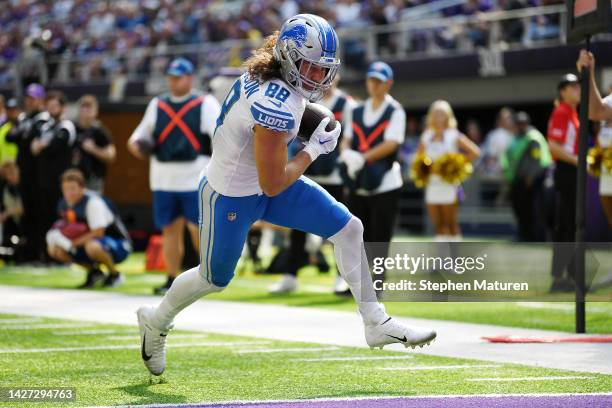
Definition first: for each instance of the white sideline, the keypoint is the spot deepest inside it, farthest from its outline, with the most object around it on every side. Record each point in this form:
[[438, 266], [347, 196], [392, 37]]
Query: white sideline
[[134, 336], [286, 350], [357, 358], [438, 367], [551, 378], [96, 331], [20, 320], [130, 346], [44, 326], [309, 325], [365, 398]]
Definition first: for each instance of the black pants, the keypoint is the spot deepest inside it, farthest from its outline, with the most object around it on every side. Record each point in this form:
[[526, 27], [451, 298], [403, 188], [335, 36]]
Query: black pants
[[565, 220], [528, 209], [35, 246], [377, 213], [297, 240], [48, 199]]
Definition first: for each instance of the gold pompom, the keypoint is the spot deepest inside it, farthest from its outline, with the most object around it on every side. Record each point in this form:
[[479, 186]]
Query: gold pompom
[[594, 160], [453, 168], [421, 169], [606, 159]]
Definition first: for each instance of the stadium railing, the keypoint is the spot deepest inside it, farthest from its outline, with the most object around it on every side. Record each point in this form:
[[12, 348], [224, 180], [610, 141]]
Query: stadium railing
[[416, 36]]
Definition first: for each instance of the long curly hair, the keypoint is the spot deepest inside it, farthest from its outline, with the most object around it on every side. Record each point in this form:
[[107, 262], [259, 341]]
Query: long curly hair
[[262, 66]]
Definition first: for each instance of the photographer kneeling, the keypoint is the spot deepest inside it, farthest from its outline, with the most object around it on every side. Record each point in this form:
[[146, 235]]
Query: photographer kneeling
[[89, 232]]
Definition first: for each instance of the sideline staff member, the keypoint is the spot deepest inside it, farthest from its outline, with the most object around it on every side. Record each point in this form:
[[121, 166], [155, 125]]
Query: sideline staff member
[[178, 126], [374, 132], [562, 135]]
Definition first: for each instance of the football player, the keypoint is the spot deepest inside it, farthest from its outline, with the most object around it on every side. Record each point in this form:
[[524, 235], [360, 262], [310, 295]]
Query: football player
[[250, 178]]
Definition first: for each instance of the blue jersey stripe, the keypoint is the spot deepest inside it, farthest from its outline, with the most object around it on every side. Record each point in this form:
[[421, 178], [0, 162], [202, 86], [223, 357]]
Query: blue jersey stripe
[[276, 112]]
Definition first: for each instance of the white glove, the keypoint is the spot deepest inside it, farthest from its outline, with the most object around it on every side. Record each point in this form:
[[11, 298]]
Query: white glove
[[55, 237], [354, 161], [321, 141]]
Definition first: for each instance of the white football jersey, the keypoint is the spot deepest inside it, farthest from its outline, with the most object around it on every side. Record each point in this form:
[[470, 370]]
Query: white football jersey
[[272, 104]]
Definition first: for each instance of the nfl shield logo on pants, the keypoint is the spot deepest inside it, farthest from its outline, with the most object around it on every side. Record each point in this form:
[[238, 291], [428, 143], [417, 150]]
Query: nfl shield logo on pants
[[231, 216]]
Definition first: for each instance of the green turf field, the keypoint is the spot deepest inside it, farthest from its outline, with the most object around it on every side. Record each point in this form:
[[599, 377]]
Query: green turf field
[[315, 292], [37, 352]]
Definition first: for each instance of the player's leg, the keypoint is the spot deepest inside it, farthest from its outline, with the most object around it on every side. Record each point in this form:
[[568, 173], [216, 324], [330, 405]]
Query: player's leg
[[189, 209], [337, 191], [306, 206], [224, 224]]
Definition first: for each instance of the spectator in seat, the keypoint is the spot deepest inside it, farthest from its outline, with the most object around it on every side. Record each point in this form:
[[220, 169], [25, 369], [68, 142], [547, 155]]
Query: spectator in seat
[[94, 148], [512, 29], [89, 232]]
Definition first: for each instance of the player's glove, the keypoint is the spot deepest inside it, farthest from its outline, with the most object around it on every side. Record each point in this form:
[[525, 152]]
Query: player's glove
[[322, 141], [354, 162]]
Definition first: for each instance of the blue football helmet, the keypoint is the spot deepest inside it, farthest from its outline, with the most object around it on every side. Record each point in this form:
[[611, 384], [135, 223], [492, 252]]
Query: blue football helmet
[[311, 40]]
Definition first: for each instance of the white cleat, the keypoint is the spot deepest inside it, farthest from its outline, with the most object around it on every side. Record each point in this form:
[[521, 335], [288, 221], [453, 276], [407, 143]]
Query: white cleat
[[391, 331], [287, 284], [152, 342]]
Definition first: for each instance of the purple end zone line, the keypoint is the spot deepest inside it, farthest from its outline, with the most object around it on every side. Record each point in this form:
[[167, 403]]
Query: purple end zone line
[[548, 401]]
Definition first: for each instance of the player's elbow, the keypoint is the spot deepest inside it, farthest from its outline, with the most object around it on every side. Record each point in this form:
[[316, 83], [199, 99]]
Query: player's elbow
[[272, 189]]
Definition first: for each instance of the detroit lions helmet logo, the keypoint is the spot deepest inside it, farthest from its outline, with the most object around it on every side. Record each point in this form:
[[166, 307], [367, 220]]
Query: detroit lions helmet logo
[[297, 34], [310, 38]]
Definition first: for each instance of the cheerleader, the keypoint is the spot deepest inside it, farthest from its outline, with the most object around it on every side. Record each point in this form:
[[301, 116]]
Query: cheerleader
[[441, 136], [604, 140], [600, 109]]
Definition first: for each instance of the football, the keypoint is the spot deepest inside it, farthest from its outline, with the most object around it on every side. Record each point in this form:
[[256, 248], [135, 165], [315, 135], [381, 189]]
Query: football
[[71, 230], [313, 115]]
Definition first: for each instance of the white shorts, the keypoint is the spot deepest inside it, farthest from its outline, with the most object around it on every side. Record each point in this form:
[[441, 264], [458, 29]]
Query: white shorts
[[605, 182], [440, 192]]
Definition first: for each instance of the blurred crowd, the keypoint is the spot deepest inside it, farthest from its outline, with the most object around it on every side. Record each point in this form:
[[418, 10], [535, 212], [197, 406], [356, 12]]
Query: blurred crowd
[[37, 34], [38, 143]]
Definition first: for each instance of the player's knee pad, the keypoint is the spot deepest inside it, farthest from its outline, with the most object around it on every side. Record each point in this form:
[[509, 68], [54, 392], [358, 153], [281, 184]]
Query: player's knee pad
[[350, 234]]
